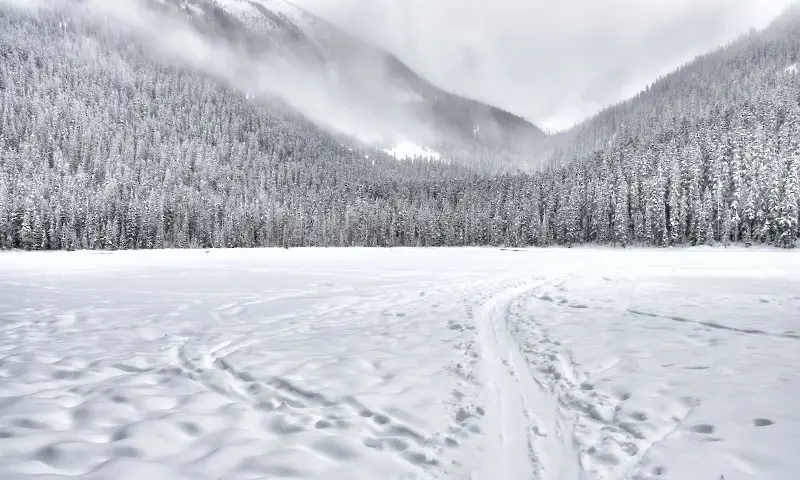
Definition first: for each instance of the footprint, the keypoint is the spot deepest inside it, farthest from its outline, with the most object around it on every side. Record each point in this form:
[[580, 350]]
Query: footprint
[[703, 428], [120, 434], [462, 415], [404, 431], [282, 426], [323, 424], [450, 442], [380, 419], [391, 444], [396, 444], [622, 395], [335, 449], [608, 458], [763, 422], [639, 416], [66, 375], [128, 452], [373, 443], [190, 428], [49, 455], [418, 458], [455, 326], [30, 424]]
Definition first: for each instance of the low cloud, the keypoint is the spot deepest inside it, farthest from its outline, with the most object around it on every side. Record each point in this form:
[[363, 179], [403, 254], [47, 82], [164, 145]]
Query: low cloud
[[554, 62], [266, 75]]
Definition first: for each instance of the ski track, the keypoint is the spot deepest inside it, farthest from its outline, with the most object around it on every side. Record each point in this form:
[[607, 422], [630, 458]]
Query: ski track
[[553, 425]]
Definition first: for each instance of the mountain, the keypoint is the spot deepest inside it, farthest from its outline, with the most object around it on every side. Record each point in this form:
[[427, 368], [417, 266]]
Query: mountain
[[710, 152], [748, 69], [130, 128], [381, 98]]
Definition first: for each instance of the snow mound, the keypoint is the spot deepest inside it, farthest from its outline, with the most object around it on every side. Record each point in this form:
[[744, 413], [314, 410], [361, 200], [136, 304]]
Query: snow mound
[[791, 69], [409, 150]]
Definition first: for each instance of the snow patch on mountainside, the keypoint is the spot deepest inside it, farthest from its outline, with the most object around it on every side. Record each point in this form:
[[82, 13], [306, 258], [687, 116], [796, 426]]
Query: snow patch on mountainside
[[252, 13], [286, 9], [409, 150]]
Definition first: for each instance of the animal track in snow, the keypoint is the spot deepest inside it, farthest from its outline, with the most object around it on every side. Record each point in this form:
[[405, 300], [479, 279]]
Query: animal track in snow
[[762, 422], [291, 410]]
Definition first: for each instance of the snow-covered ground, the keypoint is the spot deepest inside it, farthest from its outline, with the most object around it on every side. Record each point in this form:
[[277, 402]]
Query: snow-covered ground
[[378, 364]]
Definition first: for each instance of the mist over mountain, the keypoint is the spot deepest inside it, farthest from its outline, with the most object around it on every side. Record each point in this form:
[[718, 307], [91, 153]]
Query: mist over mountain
[[149, 124], [275, 52], [748, 70], [552, 62]]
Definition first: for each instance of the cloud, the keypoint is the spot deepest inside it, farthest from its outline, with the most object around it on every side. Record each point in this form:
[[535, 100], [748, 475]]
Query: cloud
[[262, 75], [553, 61]]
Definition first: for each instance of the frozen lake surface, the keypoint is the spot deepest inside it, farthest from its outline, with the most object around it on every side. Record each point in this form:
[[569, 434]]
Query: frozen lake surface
[[476, 364]]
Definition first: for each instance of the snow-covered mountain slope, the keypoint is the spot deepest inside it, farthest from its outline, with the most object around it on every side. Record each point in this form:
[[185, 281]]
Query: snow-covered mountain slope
[[396, 103], [730, 78]]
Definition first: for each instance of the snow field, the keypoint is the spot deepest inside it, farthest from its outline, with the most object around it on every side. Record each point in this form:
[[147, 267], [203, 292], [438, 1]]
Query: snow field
[[400, 363]]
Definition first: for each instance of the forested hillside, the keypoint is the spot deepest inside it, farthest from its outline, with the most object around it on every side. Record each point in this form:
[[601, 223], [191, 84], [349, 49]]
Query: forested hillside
[[746, 71], [103, 147]]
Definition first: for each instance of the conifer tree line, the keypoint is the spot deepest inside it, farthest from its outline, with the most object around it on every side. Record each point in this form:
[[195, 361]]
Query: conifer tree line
[[102, 147]]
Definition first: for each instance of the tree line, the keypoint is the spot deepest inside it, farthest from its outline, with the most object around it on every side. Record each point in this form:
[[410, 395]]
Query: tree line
[[102, 147]]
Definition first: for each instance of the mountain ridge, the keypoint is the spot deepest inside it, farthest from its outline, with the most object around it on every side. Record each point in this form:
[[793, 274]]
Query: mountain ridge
[[352, 68], [648, 110], [106, 145]]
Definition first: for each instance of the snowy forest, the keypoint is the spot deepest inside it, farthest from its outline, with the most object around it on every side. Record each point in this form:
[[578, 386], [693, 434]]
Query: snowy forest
[[102, 147]]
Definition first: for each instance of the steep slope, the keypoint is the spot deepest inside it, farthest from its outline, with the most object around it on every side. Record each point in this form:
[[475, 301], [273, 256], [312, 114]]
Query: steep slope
[[750, 69], [385, 100], [106, 145], [709, 153]]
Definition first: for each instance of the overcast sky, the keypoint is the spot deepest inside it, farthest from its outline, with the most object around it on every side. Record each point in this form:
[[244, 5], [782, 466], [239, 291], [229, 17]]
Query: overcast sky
[[554, 62]]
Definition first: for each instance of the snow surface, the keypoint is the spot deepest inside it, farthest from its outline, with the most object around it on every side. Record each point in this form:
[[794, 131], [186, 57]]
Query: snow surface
[[791, 68], [400, 363], [410, 150]]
